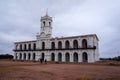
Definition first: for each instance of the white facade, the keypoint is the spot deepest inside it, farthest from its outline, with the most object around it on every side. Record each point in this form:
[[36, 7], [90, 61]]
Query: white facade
[[82, 48]]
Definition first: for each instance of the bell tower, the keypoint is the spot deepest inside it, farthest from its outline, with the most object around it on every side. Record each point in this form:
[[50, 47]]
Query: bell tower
[[46, 26]]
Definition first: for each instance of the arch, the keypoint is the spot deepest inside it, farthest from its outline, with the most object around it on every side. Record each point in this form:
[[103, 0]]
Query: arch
[[75, 57], [34, 46], [20, 56], [60, 57], [29, 56], [33, 56], [24, 56], [29, 46], [59, 45], [52, 57], [43, 45], [84, 43], [75, 44], [25, 47], [53, 45], [20, 46], [49, 23], [67, 57], [67, 44], [44, 23], [43, 56], [85, 57]]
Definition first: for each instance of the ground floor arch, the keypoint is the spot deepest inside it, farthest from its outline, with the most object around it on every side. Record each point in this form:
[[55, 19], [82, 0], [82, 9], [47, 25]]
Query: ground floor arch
[[20, 56], [52, 57], [85, 57], [43, 56], [60, 57], [75, 57], [67, 57], [34, 56], [24, 56], [29, 56]]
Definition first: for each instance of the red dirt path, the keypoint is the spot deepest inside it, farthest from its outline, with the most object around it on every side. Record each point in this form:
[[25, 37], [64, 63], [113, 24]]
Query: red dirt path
[[16, 70]]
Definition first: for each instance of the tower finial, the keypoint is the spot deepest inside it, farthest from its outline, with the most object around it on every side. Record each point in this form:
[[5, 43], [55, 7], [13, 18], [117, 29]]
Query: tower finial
[[46, 11]]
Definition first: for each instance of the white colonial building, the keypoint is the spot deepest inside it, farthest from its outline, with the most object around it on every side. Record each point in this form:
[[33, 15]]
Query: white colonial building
[[82, 48]]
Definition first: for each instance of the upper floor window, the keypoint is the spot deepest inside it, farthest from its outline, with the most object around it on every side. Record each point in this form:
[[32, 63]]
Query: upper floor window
[[43, 45], [34, 46], [24, 46], [59, 45], [53, 45], [75, 44], [29, 47], [67, 44], [20, 46], [84, 43]]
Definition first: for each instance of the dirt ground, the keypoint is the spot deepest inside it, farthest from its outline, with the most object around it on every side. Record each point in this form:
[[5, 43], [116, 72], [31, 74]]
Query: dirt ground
[[17, 70]]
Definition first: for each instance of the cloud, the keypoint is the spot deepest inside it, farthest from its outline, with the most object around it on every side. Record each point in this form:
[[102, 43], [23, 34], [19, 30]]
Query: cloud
[[20, 20]]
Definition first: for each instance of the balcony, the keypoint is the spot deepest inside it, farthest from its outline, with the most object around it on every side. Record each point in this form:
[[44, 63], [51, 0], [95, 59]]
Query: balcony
[[88, 48]]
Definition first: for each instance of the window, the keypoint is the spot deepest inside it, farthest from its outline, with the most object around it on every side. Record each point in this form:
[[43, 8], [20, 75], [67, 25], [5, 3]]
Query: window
[[75, 44], [44, 23], [20, 46], [49, 23], [59, 45], [43, 45], [24, 46], [75, 57], [29, 47], [67, 44], [34, 46], [84, 43], [53, 45]]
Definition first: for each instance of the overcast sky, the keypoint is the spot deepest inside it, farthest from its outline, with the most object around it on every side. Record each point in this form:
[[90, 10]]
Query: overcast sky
[[20, 21]]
